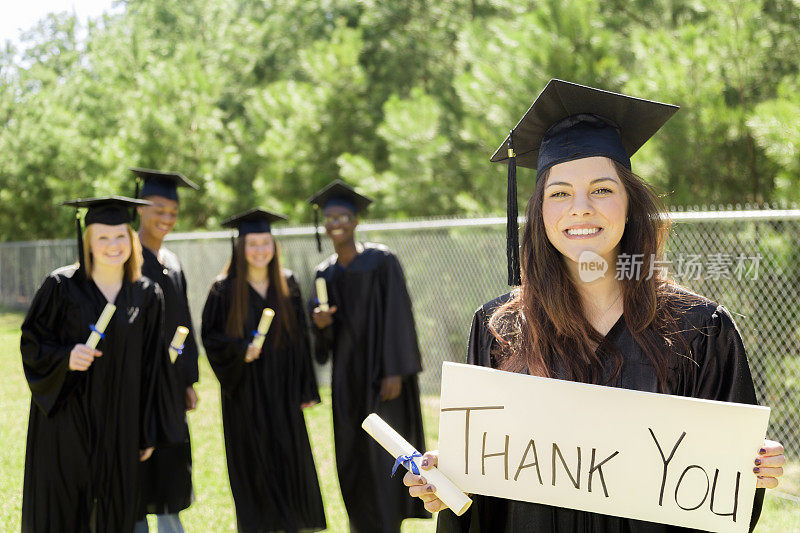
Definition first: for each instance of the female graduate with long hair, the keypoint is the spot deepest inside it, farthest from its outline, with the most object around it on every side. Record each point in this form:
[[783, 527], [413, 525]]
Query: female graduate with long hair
[[635, 330], [93, 410], [264, 390]]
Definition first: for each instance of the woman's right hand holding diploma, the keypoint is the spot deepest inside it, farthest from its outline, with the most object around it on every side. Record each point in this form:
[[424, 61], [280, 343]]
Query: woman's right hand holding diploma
[[418, 486], [253, 353], [81, 357], [323, 319]]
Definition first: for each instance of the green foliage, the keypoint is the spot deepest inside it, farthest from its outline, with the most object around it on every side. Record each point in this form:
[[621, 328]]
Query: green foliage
[[775, 125], [264, 102]]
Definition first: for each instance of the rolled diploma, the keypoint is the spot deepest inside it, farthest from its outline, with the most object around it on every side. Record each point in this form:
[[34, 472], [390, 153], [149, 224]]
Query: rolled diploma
[[396, 445], [177, 341], [102, 322], [322, 294], [263, 327]]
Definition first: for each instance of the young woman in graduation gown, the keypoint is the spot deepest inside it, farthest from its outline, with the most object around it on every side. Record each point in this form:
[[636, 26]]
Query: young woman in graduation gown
[[630, 330], [95, 413], [270, 465]]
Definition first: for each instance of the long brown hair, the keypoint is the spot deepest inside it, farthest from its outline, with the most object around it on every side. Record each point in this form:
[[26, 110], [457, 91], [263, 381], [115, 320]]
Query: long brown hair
[[543, 326], [237, 314], [133, 266]]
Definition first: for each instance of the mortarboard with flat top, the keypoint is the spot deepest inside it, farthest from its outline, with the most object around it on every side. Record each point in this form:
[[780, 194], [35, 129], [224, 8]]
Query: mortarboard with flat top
[[160, 183], [568, 122], [253, 221], [337, 193], [110, 210]]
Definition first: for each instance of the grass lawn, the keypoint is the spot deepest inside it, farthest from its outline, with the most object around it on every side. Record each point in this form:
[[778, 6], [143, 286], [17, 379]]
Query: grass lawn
[[213, 510]]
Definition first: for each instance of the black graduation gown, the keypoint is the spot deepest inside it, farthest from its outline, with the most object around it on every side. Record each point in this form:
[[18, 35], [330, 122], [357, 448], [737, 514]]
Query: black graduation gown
[[372, 337], [86, 428], [270, 465], [166, 477], [723, 374]]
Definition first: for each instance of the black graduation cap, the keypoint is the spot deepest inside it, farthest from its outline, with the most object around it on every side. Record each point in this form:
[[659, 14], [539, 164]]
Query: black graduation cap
[[253, 221], [337, 193], [567, 122], [111, 210], [160, 183]]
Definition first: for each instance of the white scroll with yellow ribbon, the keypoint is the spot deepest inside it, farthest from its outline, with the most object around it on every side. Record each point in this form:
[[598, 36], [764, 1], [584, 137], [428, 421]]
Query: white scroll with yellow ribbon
[[176, 346], [263, 327], [322, 295], [405, 454], [99, 329]]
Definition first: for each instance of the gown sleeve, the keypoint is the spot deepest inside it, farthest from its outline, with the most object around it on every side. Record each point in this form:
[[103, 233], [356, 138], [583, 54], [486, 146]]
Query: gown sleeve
[[308, 380], [161, 403], [188, 359], [45, 360], [480, 340], [401, 355], [723, 372], [225, 354], [325, 338], [477, 354], [172, 400]]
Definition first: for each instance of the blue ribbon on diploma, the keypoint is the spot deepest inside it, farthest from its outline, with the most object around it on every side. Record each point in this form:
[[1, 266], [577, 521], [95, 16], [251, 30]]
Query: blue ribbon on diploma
[[408, 462], [178, 349], [92, 327], [256, 333]]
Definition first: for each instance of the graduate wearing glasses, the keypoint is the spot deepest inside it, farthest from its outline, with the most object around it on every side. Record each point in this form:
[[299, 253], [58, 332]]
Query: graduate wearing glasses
[[369, 334]]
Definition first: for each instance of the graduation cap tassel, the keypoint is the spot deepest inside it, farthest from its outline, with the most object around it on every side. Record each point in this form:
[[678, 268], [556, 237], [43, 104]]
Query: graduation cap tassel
[[80, 240], [135, 195], [316, 229], [512, 227], [232, 268]]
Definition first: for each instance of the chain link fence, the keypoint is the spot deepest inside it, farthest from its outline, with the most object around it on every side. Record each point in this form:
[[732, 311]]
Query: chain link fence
[[747, 260]]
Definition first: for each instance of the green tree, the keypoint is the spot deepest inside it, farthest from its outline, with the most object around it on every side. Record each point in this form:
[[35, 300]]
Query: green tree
[[264, 102]]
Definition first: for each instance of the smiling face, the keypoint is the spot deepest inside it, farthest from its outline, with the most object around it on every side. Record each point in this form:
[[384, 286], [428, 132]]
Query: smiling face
[[584, 208], [340, 224], [158, 219], [259, 249], [110, 245]]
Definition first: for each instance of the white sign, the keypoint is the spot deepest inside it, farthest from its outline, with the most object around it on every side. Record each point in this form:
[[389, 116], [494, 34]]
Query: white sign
[[652, 457]]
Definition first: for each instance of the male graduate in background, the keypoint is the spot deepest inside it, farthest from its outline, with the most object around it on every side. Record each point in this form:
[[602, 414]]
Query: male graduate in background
[[369, 330], [166, 486]]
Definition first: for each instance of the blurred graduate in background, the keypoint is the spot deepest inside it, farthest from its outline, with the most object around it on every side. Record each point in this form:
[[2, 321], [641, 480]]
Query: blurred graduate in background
[[95, 412], [264, 389], [167, 476], [369, 333]]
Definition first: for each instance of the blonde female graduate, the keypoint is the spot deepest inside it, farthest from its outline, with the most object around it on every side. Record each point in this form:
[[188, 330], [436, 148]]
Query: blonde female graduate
[[632, 330], [95, 412], [264, 389]]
